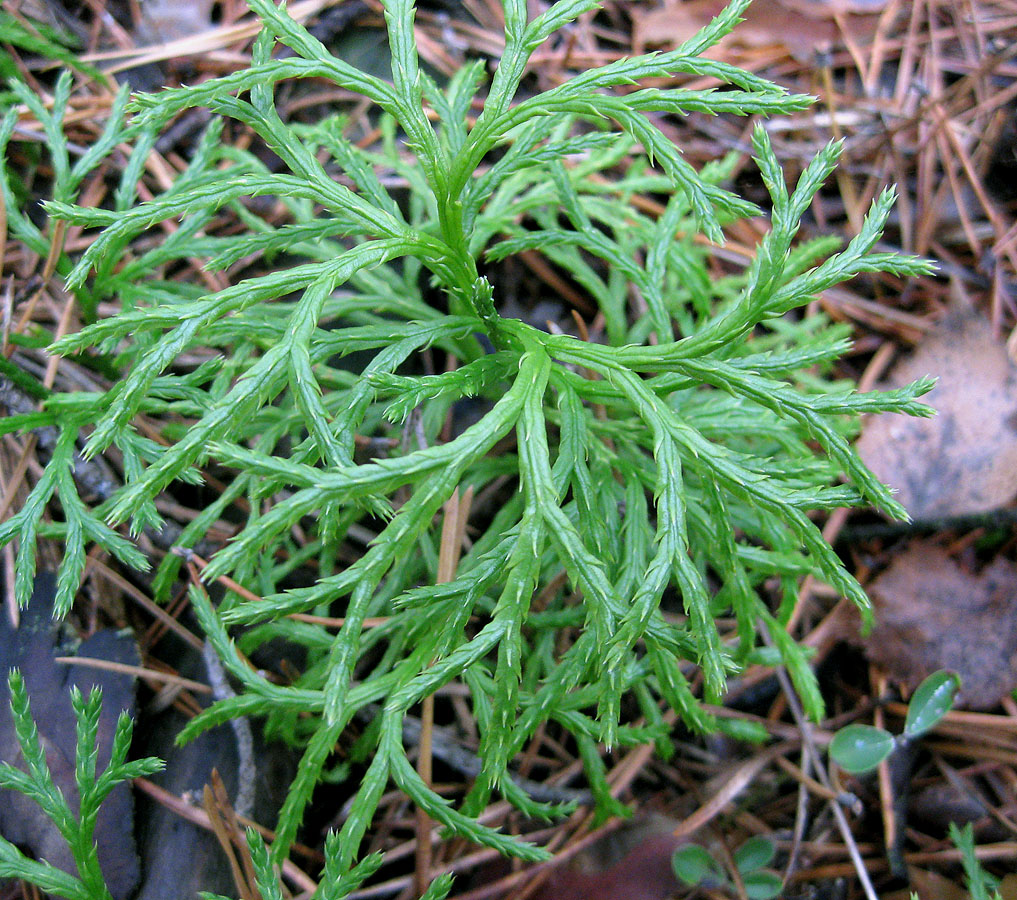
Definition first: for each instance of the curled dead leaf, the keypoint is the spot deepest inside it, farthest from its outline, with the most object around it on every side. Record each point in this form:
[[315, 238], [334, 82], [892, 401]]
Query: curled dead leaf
[[801, 26], [964, 460], [931, 615], [163, 21], [631, 863]]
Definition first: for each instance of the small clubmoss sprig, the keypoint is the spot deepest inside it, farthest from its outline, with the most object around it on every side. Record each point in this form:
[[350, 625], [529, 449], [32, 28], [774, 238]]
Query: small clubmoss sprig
[[36, 783]]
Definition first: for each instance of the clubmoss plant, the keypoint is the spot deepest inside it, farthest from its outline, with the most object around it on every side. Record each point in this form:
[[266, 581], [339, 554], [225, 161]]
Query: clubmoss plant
[[678, 452], [76, 827], [981, 885]]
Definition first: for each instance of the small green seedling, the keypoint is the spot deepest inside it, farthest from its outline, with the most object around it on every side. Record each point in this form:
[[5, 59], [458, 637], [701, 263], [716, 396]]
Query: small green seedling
[[860, 748], [695, 865]]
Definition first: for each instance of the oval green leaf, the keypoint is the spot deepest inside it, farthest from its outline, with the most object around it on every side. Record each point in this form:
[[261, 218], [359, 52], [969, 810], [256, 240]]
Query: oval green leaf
[[859, 748], [756, 853], [693, 864], [763, 885], [931, 701]]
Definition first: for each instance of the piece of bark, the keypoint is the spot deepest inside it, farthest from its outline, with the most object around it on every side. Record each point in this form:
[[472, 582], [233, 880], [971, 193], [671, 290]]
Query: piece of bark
[[164, 838]]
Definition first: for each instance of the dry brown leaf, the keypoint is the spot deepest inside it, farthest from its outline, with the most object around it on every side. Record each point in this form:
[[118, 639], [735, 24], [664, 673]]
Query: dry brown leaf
[[938, 804], [964, 460], [802, 26], [1008, 887], [929, 886], [170, 20], [932, 615], [631, 863]]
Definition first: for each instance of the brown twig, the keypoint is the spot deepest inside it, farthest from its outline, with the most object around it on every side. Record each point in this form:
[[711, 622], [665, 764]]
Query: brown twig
[[816, 761], [457, 514]]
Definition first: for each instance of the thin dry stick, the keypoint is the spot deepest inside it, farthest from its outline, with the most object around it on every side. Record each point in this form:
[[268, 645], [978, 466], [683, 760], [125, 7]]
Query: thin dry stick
[[806, 781], [890, 824], [192, 558], [197, 45], [239, 589], [988, 207], [220, 828], [844, 182], [230, 818], [743, 776], [199, 817], [801, 816], [97, 566], [986, 852], [137, 671], [824, 777], [457, 513], [20, 467], [3, 255], [56, 246], [734, 873], [10, 599], [7, 314]]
